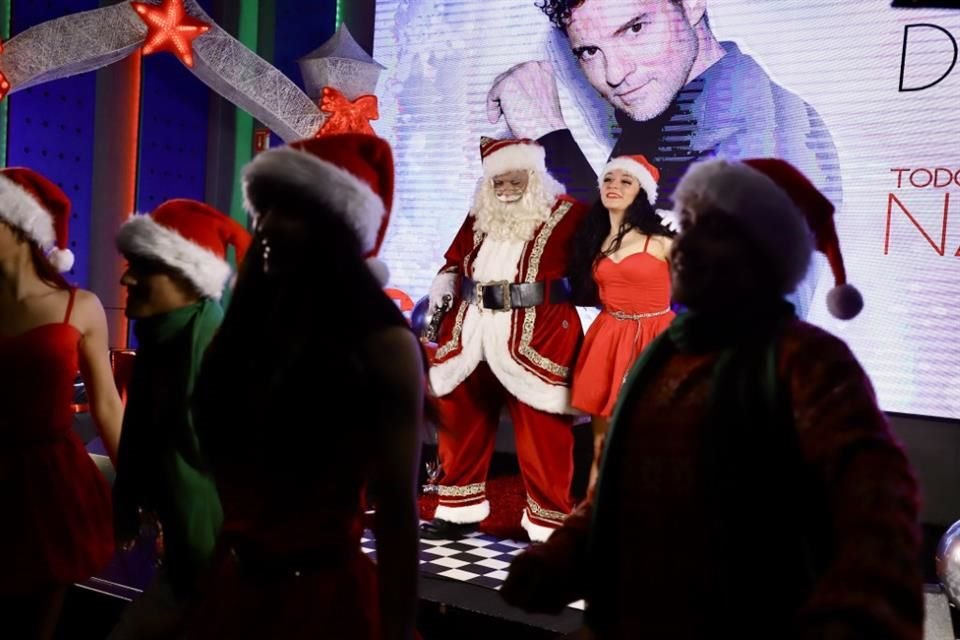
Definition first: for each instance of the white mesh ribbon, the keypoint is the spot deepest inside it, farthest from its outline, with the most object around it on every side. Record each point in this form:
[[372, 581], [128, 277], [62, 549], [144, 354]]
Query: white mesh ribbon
[[71, 45], [89, 40], [228, 67]]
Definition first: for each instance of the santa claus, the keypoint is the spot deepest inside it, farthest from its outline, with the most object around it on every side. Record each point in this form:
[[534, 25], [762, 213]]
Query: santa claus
[[510, 337]]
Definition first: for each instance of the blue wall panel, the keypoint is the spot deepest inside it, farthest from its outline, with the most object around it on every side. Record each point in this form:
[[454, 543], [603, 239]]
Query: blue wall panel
[[301, 27], [51, 130], [174, 113], [173, 133]]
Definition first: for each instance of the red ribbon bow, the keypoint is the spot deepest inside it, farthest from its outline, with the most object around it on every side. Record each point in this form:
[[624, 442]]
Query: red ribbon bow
[[346, 116]]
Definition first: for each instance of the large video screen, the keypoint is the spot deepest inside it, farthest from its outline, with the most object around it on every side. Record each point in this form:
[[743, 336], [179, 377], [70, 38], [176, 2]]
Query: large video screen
[[861, 96]]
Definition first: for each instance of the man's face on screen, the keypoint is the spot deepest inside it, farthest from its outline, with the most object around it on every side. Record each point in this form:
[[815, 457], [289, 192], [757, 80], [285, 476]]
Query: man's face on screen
[[636, 53]]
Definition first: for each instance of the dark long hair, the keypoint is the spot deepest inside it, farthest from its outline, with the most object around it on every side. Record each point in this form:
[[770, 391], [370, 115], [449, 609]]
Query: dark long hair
[[45, 270], [298, 308], [588, 243]]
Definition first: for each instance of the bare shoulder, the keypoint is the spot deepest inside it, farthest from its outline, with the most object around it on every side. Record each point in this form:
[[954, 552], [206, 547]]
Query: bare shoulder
[[88, 313], [660, 246], [394, 355]]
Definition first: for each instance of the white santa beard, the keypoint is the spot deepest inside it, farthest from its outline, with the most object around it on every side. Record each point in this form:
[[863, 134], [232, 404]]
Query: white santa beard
[[514, 221]]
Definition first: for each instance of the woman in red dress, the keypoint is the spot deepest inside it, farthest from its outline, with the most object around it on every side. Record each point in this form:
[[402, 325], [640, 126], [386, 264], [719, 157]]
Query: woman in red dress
[[619, 261], [57, 526], [311, 393]]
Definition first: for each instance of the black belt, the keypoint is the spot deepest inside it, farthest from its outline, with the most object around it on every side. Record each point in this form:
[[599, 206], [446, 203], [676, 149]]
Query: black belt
[[503, 295]]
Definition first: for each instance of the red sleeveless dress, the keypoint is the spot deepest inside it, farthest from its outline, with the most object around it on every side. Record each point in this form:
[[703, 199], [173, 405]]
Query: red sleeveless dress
[[55, 503], [635, 294]]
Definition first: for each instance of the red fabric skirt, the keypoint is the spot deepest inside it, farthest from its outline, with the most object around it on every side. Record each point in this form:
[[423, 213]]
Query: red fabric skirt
[[58, 526]]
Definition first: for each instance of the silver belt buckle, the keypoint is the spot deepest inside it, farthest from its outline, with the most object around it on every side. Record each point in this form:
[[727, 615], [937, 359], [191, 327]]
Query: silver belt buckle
[[504, 286], [505, 293]]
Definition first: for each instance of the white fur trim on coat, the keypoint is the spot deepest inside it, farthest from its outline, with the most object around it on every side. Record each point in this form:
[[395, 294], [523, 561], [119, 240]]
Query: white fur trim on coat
[[317, 181], [637, 170], [463, 515], [767, 213], [21, 210], [486, 336], [515, 157], [142, 236], [536, 532]]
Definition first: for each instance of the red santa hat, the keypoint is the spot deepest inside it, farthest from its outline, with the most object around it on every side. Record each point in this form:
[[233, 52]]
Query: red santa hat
[[349, 174], [190, 237], [500, 156], [780, 208], [40, 209], [640, 168]]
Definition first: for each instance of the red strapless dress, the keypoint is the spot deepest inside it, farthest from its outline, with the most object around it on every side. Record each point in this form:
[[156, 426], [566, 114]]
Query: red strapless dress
[[57, 523], [635, 294]]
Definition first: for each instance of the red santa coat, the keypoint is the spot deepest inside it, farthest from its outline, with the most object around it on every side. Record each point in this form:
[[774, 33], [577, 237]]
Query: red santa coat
[[530, 350]]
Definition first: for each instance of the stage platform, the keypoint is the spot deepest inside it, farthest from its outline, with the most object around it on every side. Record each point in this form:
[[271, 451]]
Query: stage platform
[[458, 593]]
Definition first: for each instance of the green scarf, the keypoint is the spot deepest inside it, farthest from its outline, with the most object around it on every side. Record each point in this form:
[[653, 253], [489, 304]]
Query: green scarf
[[745, 400], [160, 464]]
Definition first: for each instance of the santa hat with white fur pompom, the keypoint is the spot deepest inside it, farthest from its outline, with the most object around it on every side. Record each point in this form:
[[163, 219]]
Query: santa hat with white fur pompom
[[511, 154], [40, 209], [640, 168], [780, 208], [349, 175], [190, 237]]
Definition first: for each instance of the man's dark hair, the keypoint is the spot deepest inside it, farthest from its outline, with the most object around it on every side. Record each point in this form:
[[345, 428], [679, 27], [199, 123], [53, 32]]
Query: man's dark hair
[[559, 11]]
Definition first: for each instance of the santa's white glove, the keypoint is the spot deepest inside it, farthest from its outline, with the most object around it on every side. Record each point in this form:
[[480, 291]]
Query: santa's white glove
[[445, 284]]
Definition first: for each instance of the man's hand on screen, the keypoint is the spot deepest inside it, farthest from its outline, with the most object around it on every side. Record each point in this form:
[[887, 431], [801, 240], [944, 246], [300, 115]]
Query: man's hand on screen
[[527, 97]]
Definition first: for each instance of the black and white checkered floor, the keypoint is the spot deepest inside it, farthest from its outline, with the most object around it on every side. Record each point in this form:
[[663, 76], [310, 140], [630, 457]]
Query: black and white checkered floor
[[478, 559]]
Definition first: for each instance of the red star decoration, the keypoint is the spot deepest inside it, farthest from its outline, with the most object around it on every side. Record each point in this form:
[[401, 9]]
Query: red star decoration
[[169, 28], [346, 116], [4, 83]]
